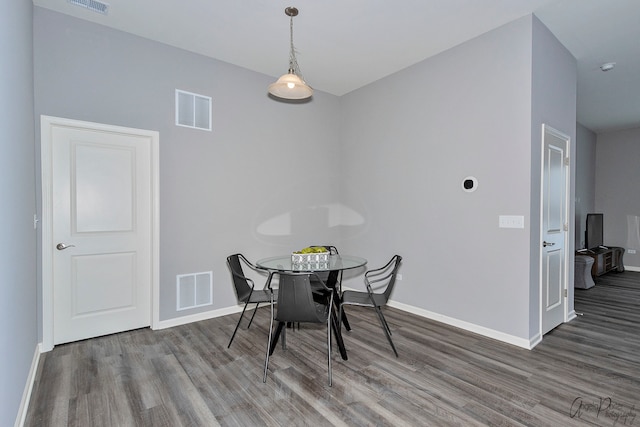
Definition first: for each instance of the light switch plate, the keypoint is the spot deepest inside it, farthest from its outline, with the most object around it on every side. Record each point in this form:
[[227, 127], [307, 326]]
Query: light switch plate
[[511, 221]]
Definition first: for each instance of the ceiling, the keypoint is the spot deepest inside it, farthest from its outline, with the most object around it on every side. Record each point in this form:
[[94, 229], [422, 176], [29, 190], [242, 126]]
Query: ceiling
[[343, 45]]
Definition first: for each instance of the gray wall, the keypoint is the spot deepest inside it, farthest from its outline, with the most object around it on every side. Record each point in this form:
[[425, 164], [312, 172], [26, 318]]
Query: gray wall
[[585, 180], [410, 140], [554, 88], [262, 182], [617, 194], [377, 171], [18, 330]]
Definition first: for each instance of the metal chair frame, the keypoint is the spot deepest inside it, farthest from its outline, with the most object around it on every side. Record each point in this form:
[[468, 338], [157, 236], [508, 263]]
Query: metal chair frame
[[388, 274], [245, 289]]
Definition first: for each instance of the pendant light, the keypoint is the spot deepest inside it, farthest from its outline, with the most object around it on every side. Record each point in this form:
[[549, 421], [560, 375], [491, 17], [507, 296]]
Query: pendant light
[[292, 84]]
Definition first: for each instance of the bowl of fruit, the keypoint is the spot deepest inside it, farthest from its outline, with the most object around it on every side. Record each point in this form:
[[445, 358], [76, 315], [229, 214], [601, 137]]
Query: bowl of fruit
[[310, 254]]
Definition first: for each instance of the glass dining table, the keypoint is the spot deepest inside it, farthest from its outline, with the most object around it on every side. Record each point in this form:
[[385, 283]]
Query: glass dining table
[[334, 265]]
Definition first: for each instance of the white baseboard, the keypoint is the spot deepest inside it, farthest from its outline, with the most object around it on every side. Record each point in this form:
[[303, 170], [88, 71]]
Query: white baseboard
[[170, 323], [26, 394], [632, 268], [500, 336], [534, 341], [471, 327]]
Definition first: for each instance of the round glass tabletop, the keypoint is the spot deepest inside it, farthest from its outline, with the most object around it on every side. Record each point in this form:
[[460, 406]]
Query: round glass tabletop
[[335, 263]]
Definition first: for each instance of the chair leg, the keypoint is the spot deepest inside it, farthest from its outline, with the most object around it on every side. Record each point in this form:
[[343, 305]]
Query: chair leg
[[266, 360], [386, 325], [329, 324], [276, 337], [255, 310], [386, 329], [284, 338], [238, 324]]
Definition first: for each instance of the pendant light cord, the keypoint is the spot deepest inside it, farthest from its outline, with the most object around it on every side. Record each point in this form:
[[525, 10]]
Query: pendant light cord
[[291, 86], [293, 62]]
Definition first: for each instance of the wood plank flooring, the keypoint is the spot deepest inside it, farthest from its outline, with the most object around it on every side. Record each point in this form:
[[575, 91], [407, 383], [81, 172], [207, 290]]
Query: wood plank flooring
[[584, 373]]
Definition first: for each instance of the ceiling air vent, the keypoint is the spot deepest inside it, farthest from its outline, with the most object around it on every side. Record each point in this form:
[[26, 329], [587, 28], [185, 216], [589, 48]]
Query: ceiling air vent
[[94, 5]]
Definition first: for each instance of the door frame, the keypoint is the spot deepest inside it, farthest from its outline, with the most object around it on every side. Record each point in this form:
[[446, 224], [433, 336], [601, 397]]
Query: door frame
[[546, 129], [47, 124]]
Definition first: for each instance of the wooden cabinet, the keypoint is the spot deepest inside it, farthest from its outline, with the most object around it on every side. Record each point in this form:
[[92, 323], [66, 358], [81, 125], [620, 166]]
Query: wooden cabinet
[[605, 260]]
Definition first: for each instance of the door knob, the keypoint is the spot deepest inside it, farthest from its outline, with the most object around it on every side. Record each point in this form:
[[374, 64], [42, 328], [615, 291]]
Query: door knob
[[62, 246], [545, 244]]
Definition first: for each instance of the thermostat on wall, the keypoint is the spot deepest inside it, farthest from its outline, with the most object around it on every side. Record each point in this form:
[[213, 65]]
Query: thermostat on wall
[[470, 184]]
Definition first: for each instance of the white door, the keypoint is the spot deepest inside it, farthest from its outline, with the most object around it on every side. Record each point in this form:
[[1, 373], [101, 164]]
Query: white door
[[101, 236], [555, 188]]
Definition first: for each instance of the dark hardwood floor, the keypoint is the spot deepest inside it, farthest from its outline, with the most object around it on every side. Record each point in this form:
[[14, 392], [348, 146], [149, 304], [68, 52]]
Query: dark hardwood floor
[[584, 373]]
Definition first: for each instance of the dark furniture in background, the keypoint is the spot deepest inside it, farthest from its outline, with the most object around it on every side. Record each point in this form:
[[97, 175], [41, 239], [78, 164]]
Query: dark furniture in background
[[582, 278], [605, 259]]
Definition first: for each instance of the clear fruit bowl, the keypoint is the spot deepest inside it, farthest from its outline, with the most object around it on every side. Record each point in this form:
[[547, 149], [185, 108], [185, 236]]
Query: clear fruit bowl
[[313, 257]]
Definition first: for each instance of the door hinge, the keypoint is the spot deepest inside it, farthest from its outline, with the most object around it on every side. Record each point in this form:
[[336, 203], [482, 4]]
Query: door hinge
[[566, 293], [565, 227], [566, 161]]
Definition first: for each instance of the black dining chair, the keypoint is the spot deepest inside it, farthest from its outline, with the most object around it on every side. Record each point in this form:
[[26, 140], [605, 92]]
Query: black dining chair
[[383, 277], [245, 288], [331, 249], [297, 303], [333, 279], [325, 275]]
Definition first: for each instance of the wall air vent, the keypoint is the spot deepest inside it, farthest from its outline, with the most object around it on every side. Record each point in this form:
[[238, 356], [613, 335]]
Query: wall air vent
[[193, 110], [94, 5], [194, 290]]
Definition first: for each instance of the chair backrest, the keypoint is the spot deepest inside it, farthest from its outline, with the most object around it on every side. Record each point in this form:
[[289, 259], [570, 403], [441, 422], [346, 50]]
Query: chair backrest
[[296, 301], [387, 273], [395, 262], [331, 249], [242, 284], [324, 275]]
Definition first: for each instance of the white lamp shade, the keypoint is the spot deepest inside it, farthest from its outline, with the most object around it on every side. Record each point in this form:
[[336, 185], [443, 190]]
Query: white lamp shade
[[290, 86]]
